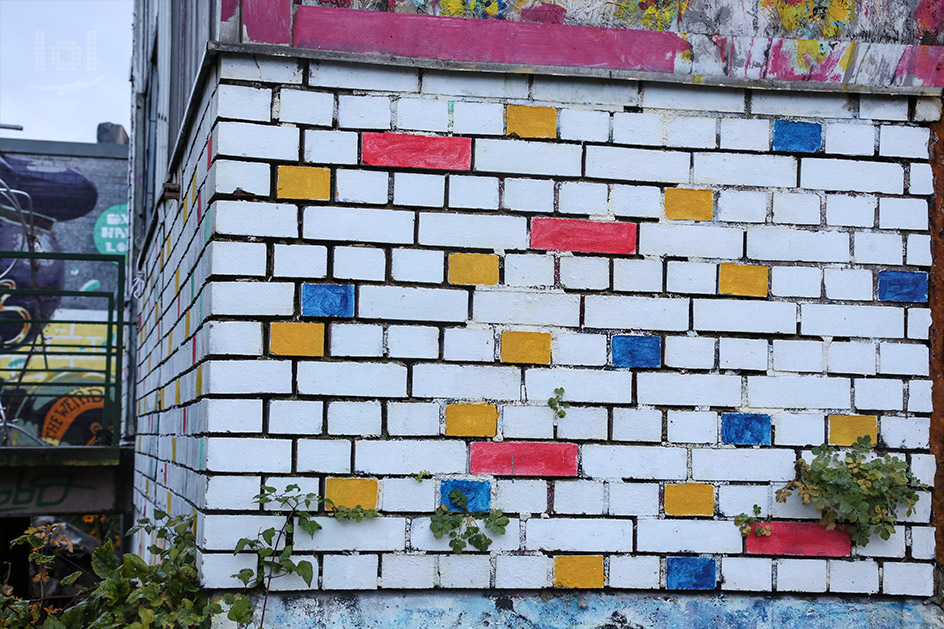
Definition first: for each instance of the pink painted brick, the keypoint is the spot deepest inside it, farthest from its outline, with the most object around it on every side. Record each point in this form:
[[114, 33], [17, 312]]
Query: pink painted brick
[[403, 150], [523, 458], [800, 539], [561, 234]]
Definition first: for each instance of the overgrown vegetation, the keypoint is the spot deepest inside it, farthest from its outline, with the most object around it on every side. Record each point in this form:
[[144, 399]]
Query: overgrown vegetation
[[461, 525], [557, 403], [752, 523]]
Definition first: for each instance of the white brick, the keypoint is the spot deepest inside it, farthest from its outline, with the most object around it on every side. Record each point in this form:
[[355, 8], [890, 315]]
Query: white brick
[[861, 321], [853, 576], [581, 90], [402, 457], [422, 538], [330, 147], [349, 572], [354, 418], [742, 206], [241, 218], [478, 118], [364, 112], [745, 135], [242, 139], [529, 195], [418, 265], [637, 313], [694, 241], [798, 392], [801, 356], [801, 104], [742, 353], [732, 315], [745, 170], [683, 536], [361, 186], [522, 572], [324, 456], [479, 85], [922, 510], [526, 308], [634, 572], [877, 248], [473, 192], [299, 417], [358, 77], [697, 98], [850, 211], [412, 418], [264, 68], [849, 284], [521, 496], [406, 494], [851, 175], [232, 492], [898, 141], [596, 535], [234, 337], [799, 209], [527, 422], [352, 379], [691, 277], [743, 465], [850, 139], [590, 126], [581, 197], [230, 176], [855, 357], [922, 180], [585, 273], [804, 246], [465, 381], [908, 579], [583, 423], [639, 129], [247, 376], [476, 232], [418, 189], [906, 432], [408, 572], [357, 225], [636, 462], [422, 114], [634, 498], [923, 468], [873, 394], [412, 304], [636, 201], [879, 107], [243, 102], [688, 389], [801, 575], [696, 132], [308, 261], [412, 341], [310, 108], [796, 281], [894, 546], [251, 298], [631, 424], [634, 276], [623, 164], [582, 497], [901, 358], [238, 454], [582, 385], [360, 263], [689, 352], [693, 427], [580, 349], [919, 249], [927, 109], [464, 571], [216, 570], [919, 322], [922, 542], [469, 345], [903, 214], [531, 158], [736, 499], [747, 573], [798, 429], [794, 509], [385, 533]]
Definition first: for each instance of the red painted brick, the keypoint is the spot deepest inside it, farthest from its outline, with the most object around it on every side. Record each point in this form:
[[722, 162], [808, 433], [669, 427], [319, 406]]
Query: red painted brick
[[403, 150], [523, 458], [267, 21], [800, 539], [564, 234]]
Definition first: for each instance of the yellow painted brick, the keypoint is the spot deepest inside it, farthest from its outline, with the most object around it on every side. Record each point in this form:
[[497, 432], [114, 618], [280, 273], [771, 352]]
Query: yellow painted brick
[[845, 430], [531, 122], [690, 499], [352, 492], [304, 182], [473, 268], [578, 571], [692, 205], [288, 338], [471, 420], [532, 348], [749, 280]]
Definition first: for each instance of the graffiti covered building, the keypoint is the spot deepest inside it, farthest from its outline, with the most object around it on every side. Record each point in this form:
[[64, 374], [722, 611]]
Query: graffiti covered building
[[611, 268]]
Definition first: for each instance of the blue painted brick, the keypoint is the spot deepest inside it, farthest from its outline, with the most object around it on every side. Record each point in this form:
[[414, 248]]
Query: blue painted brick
[[637, 351], [745, 429], [902, 286], [797, 137], [327, 300], [478, 493], [690, 573]]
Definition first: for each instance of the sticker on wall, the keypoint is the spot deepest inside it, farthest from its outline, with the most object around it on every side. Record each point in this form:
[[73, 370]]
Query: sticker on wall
[[111, 230]]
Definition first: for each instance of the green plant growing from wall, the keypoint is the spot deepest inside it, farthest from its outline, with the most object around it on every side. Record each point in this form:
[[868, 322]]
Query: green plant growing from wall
[[557, 403], [461, 525], [752, 523], [419, 477], [855, 490]]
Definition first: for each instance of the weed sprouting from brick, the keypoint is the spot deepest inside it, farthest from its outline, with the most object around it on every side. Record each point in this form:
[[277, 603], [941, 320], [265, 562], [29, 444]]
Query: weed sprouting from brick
[[557, 403], [461, 525]]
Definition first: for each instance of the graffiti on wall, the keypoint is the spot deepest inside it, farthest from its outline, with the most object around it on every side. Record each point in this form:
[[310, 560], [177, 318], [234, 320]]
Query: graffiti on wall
[[33, 491]]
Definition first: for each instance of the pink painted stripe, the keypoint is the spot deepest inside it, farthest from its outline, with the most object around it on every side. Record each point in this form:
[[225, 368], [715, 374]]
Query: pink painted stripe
[[267, 21], [402, 150], [488, 41], [565, 234], [800, 539], [523, 458]]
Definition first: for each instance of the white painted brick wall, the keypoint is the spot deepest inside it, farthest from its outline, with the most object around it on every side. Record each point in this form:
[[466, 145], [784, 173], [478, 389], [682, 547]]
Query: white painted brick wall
[[579, 124], [521, 496], [742, 206], [529, 158], [746, 573], [422, 114], [529, 195], [527, 422], [859, 576], [634, 498], [417, 265], [310, 108], [363, 112], [408, 572], [460, 344], [307, 261], [634, 572], [419, 190], [361, 186], [473, 192], [630, 424], [693, 427], [580, 197], [349, 572], [633, 276], [579, 535], [801, 575], [522, 572], [700, 278], [244, 103], [356, 339], [330, 147], [851, 211], [687, 536], [412, 418], [359, 263], [478, 118], [745, 134]]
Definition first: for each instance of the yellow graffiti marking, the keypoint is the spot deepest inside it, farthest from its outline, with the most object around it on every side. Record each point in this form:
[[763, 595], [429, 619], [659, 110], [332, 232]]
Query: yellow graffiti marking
[[811, 18]]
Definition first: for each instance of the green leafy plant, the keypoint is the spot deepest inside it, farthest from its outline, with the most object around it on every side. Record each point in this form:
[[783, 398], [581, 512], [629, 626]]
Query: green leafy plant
[[461, 525], [752, 523], [419, 477], [854, 489], [557, 403]]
